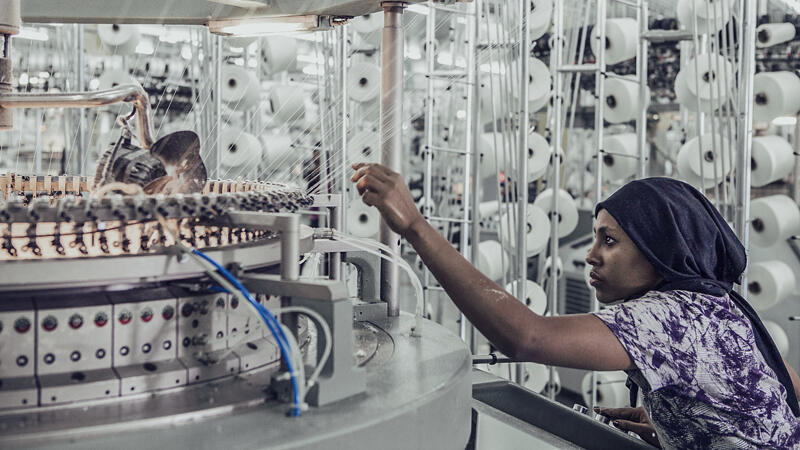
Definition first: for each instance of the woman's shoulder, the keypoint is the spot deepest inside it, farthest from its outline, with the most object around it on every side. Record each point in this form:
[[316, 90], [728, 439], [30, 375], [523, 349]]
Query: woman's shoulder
[[681, 309], [696, 301]]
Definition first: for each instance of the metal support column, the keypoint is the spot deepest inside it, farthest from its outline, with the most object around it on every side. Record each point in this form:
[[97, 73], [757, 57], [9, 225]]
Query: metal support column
[[337, 214], [746, 127], [599, 132], [217, 106], [642, 52], [473, 135], [81, 114], [522, 160], [556, 59], [392, 55]]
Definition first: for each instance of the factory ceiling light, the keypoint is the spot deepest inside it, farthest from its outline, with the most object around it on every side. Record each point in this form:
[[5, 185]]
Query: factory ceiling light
[[257, 26]]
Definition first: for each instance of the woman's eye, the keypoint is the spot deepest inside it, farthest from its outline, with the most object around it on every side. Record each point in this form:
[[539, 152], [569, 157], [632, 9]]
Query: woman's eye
[[608, 240]]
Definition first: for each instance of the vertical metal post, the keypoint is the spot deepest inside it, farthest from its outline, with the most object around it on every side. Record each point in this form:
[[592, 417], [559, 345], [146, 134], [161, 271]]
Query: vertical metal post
[[430, 60], [343, 50], [642, 52], [218, 105], [392, 55], [599, 103], [474, 132], [556, 60], [599, 116], [37, 151], [746, 126], [81, 112], [290, 247], [337, 213], [522, 159]]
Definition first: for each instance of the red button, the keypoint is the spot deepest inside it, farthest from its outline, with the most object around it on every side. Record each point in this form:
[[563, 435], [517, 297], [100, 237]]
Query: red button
[[75, 321], [101, 319], [125, 317], [22, 325], [49, 323]]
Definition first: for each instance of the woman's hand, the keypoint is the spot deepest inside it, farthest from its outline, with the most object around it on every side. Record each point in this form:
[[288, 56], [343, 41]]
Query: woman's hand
[[387, 190], [632, 419]]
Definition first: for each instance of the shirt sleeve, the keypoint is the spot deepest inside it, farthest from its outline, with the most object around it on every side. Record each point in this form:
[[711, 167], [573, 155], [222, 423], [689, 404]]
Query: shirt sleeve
[[656, 336]]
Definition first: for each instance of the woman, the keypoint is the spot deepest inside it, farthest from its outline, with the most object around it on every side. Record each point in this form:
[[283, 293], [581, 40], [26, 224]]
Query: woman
[[710, 375]]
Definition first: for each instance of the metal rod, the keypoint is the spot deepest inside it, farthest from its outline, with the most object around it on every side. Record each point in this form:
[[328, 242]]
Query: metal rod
[[578, 68], [337, 213], [556, 59], [746, 124], [129, 93], [492, 359], [473, 136], [392, 55], [80, 140], [642, 51], [37, 150], [218, 106], [290, 247], [599, 113], [522, 159], [430, 59], [522, 155], [467, 197]]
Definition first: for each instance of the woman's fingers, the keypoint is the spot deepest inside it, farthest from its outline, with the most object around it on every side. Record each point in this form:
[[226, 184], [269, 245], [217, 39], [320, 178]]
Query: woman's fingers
[[378, 171], [370, 183], [370, 198], [644, 430], [621, 413]]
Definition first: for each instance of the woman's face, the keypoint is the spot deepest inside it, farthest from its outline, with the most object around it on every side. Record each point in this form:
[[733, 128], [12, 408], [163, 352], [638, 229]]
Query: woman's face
[[619, 269]]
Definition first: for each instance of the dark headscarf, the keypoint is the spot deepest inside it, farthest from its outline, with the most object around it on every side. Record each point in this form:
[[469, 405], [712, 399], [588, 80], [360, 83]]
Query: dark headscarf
[[691, 246]]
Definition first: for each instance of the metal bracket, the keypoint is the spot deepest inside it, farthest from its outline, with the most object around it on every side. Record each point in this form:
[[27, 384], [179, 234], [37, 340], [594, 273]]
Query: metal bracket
[[288, 225], [340, 378], [369, 270]]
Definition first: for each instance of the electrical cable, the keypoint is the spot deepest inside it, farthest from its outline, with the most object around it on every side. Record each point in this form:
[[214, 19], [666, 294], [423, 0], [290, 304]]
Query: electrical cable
[[229, 282], [326, 330], [393, 258], [269, 319]]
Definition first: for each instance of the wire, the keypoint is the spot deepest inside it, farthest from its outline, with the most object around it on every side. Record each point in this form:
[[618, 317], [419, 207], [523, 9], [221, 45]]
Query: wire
[[269, 319], [229, 282], [393, 258], [326, 330]]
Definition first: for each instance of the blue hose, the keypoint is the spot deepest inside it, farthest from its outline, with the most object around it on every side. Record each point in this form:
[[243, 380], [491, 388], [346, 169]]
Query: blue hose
[[269, 319]]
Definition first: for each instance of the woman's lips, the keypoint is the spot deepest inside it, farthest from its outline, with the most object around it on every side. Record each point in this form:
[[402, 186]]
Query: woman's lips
[[594, 279]]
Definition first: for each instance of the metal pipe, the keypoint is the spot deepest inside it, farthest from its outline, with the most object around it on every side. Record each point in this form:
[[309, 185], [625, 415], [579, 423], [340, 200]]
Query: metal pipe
[[37, 152], [644, 100], [335, 270], [746, 123], [430, 64], [337, 213], [343, 49], [80, 140], [599, 113], [522, 159], [218, 106], [290, 247], [556, 60], [392, 55], [128, 93], [473, 136]]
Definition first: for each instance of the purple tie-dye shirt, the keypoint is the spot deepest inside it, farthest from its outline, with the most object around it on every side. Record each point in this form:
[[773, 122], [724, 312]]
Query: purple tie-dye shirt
[[703, 380]]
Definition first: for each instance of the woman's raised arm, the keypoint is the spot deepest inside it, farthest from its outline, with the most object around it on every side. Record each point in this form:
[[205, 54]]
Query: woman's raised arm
[[580, 341]]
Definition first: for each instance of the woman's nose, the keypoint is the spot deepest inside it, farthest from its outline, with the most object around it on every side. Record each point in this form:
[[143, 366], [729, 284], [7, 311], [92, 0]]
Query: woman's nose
[[592, 257]]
